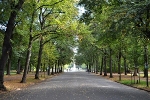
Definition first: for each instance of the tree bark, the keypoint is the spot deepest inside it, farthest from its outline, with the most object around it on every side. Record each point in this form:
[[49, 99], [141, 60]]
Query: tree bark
[[61, 68], [55, 67], [105, 67], [48, 71], [145, 61], [27, 61], [39, 58], [125, 66], [52, 73], [119, 62], [101, 70], [110, 62], [9, 63], [58, 66], [18, 68], [96, 64], [90, 67], [135, 68]]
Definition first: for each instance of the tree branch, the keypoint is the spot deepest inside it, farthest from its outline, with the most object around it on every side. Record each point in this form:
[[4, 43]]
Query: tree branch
[[50, 5], [50, 39]]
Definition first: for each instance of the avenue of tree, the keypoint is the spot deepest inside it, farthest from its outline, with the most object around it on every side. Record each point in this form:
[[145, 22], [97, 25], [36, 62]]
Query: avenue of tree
[[111, 36]]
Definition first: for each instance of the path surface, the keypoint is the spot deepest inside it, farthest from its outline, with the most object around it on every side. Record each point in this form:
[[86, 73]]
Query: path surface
[[77, 86]]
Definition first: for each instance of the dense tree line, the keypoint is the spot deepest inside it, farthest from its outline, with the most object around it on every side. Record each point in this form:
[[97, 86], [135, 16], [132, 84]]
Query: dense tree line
[[120, 32]]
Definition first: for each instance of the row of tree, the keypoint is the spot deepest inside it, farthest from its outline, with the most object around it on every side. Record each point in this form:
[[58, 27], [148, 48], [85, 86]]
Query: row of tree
[[45, 29], [119, 39]]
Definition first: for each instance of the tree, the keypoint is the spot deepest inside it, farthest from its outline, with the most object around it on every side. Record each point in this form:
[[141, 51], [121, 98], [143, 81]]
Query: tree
[[7, 43], [36, 32]]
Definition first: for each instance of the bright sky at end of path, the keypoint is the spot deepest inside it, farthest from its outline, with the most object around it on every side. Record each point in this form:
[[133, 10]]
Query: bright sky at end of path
[[81, 10]]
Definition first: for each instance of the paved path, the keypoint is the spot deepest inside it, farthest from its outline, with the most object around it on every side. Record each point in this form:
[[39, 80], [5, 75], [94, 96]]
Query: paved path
[[78, 86]]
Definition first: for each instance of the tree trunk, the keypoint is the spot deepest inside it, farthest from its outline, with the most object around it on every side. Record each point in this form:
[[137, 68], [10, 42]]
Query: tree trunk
[[146, 57], [87, 68], [135, 68], [27, 61], [39, 58], [44, 67], [55, 67], [105, 66], [101, 69], [145, 61], [18, 68], [52, 73], [96, 63], [30, 67], [58, 66], [90, 68], [125, 66], [110, 62], [61, 68], [48, 71], [119, 62], [93, 63], [7, 43], [9, 63]]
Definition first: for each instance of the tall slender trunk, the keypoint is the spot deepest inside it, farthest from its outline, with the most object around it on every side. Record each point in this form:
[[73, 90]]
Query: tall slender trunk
[[105, 66], [30, 67], [39, 58], [27, 61], [119, 62], [125, 66], [145, 46], [18, 67], [145, 60], [93, 63], [87, 67], [52, 73], [110, 62], [135, 68], [58, 66], [48, 71], [101, 69], [61, 68], [146, 56], [90, 67], [55, 67], [96, 64], [7, 43]]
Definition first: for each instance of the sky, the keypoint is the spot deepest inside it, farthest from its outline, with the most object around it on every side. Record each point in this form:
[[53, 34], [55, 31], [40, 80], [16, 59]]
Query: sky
[[81, 10]]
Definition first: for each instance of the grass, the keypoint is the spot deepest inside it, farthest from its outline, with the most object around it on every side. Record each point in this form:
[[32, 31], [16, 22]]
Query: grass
[[11, 73], [126, 80], [142, 85]]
